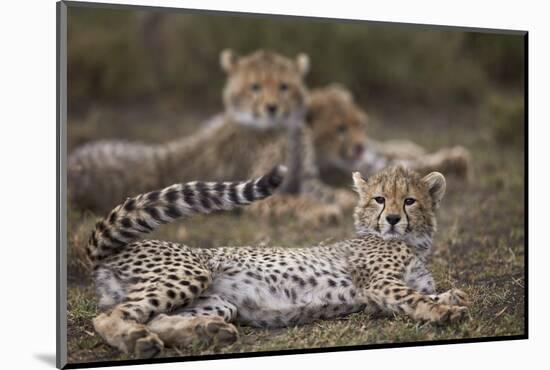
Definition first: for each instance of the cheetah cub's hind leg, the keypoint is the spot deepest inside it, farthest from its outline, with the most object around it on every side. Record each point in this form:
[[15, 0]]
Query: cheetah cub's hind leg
[[206, 321], [141, 279], [455, 160], [123, 326], [126, 334]]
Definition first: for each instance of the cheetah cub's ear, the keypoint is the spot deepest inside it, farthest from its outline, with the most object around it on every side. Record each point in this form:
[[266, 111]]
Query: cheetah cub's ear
[[436, 187], [359, 184], [302, 62], [342, 92], [228, 60]]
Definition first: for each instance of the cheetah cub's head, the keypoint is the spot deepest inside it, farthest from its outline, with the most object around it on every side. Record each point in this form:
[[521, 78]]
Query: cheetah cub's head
[[265, 90], [397, 203], [338, 126]]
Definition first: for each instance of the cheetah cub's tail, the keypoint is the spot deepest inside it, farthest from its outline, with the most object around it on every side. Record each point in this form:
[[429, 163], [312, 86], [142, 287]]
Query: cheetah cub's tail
[[142, 214]]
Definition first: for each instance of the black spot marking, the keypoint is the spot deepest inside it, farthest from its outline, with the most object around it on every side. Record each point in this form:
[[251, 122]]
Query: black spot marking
[[188, 195], [194, 289], [173, 212], [233, 193], [172, 195], [153, 196], [154, 213], [130, 205], [249, 191]]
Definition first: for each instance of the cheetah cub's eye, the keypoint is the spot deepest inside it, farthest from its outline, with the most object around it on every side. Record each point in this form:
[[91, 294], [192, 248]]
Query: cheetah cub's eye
[[379, 200], [342, 128], [255, 87], [283, 87], [409, 201]]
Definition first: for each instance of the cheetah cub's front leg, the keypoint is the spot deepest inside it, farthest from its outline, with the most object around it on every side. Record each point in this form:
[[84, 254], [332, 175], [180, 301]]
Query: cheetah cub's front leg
[[418, 278], [395, 296], [455, 297]]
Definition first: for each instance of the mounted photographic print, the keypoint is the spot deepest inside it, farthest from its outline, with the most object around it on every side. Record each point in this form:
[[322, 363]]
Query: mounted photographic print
[[235, 184]]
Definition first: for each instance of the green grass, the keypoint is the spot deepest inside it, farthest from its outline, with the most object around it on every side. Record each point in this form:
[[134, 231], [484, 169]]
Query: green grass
[[479, 248]]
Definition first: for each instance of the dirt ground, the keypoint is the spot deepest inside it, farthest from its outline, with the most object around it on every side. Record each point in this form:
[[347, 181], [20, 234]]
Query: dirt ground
[[479, 247]]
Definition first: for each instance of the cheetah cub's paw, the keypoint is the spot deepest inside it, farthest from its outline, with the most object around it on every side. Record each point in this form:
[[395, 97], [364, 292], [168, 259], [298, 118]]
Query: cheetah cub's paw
[[127, 336], [216, 332], [147, 344], [458, 161], [448, 314], [181, 331], [455, 297]]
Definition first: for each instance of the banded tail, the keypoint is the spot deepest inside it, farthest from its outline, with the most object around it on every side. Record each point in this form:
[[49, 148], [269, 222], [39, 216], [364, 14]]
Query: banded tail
[[142, 214]]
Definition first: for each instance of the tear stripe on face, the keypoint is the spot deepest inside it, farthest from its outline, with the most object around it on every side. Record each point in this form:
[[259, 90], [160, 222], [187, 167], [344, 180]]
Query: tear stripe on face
[[378, 219], [408, 228]]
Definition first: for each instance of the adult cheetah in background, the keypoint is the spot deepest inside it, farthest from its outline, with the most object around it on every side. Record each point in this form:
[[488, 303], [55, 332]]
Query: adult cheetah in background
[[155, 293], [265, 103]]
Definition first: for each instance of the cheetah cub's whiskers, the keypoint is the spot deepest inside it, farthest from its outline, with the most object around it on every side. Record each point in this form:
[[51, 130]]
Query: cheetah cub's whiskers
[[408, 214], [156, 293]]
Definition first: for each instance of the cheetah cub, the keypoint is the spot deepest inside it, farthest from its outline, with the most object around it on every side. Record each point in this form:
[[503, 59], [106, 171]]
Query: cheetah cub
[[156, 293]]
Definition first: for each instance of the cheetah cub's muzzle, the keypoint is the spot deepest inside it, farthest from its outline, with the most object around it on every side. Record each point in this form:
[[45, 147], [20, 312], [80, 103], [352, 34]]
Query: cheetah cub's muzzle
[[399, 204]]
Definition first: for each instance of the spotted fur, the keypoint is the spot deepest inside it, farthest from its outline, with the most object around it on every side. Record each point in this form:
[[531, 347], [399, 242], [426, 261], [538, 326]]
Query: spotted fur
[[265, 102], [142, 214], [156, 293]]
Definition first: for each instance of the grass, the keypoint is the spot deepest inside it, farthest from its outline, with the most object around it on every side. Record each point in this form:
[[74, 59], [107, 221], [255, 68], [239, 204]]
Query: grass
[[479, 247]]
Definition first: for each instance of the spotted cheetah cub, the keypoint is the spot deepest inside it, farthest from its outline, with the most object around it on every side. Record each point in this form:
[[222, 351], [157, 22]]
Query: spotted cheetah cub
[[262, 125], [339, 130], [156, 293]]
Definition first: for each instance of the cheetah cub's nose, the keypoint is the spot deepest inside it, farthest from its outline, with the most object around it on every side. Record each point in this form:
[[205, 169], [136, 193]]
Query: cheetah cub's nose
[[272, 109], [358, 150], [393, 219]]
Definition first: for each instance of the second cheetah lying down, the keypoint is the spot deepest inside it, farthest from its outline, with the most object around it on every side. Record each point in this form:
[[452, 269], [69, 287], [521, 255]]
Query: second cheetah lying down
[[338, 126], [157, 293], [265, 102]]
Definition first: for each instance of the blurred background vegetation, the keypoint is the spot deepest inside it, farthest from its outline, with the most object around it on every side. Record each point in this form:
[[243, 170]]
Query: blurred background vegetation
[[121, 56]]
